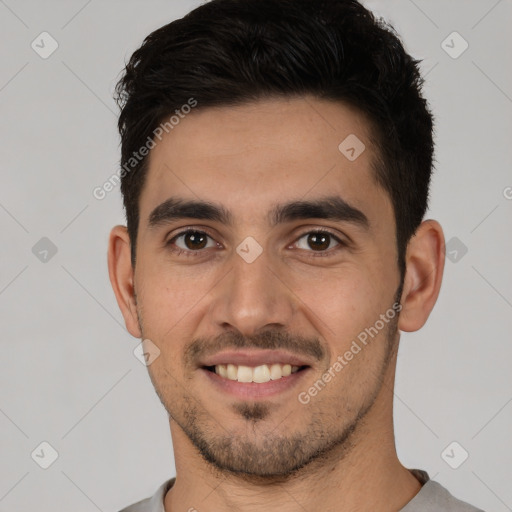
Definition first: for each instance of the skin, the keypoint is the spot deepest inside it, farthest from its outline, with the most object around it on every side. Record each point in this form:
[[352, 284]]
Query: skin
[[338, 451]]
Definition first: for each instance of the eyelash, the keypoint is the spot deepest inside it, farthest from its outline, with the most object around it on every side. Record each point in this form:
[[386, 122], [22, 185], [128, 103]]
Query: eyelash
[[189, 253]]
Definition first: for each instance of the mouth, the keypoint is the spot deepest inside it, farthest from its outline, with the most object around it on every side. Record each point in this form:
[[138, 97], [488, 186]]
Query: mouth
[[254, 382], [254, 374], [258, 374]]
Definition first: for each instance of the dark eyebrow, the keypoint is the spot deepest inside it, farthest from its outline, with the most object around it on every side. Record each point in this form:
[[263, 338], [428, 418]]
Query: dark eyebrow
[[329, 208], [176, 208]]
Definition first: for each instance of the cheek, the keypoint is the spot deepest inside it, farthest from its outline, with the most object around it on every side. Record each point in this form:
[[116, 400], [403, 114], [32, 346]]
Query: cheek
[[169, 293], [342, 303]]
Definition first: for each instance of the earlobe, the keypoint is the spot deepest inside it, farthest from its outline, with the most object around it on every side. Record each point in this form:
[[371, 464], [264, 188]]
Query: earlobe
[[121, 275], [423, 277]]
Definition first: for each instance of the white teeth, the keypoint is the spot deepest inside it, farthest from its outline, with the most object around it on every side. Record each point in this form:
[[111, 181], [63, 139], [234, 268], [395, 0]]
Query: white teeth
[[244, 374], [232, 372], [260, 374], [275, 372]]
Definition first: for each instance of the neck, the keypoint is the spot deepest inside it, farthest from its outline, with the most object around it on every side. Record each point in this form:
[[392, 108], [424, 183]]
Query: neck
[[362, 474]]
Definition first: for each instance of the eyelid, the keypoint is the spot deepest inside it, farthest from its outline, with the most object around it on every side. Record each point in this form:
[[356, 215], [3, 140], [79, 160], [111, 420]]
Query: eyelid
[[187, 229], [321, 231]]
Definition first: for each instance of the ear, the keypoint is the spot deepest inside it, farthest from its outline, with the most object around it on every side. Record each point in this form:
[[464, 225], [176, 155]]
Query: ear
[[424, 273], [121, 274]]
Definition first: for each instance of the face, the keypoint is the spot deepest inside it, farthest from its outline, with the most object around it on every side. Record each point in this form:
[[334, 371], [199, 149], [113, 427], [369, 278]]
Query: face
[[260, 287]]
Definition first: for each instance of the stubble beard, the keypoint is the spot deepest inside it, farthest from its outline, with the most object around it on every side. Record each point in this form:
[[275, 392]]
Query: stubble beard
[[264, 454], [268, 456]]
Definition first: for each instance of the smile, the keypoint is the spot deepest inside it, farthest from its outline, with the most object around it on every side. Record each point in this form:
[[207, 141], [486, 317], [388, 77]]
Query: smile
[[259, 374]]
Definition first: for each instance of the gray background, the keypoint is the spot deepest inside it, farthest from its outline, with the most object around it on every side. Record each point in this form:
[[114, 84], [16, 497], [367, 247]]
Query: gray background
[[68, 373]]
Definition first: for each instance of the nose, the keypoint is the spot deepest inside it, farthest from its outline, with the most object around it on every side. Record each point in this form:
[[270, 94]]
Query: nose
[[252, 297]]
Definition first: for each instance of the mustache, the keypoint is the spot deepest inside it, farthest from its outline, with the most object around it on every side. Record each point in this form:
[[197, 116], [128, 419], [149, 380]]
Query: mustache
[[270, 339]]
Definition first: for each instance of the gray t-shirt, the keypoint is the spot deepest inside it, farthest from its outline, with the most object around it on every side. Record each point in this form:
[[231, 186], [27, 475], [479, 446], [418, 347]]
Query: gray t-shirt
[[432, 497]]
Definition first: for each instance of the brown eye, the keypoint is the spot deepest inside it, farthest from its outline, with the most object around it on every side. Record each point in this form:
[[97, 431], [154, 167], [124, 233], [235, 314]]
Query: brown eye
[[318, 241], [190, 241], [195, 240]]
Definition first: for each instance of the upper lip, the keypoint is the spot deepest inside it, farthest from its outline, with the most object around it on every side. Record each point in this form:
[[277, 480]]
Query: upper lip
[[254, 358]]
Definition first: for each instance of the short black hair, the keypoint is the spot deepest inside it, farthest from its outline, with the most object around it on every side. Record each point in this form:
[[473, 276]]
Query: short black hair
[[232, 52]]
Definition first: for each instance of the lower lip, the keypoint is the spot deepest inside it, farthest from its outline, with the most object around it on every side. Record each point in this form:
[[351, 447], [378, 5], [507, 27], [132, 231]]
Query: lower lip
[[254, 390]]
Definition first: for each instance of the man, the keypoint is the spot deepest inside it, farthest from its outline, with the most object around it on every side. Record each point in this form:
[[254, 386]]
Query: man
[[276, 160]]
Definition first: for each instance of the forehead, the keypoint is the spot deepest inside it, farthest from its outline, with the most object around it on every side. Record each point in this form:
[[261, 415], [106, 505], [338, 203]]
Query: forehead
[[249, 156]]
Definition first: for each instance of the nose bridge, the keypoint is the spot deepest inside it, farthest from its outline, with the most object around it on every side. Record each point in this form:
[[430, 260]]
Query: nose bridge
[[251, 296]]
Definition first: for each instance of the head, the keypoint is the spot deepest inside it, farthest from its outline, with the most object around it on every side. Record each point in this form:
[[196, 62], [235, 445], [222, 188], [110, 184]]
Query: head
[[233, 52], [292, 137]]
